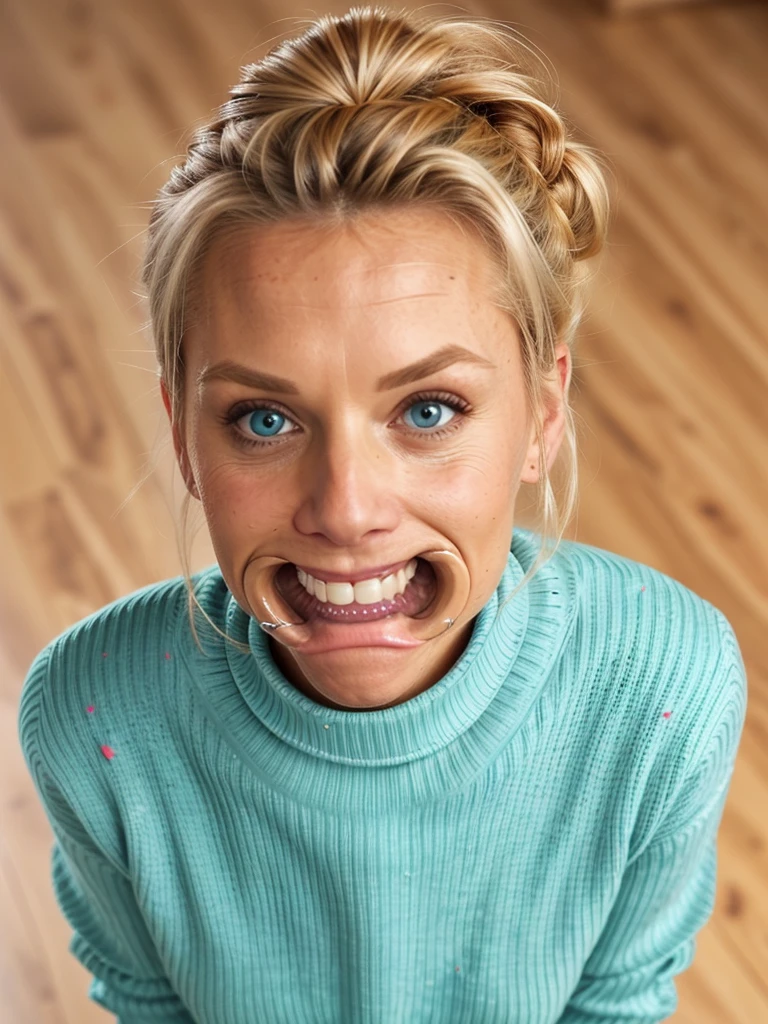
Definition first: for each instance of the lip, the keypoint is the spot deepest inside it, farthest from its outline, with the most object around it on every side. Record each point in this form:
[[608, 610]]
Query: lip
[[333, 636], [353, 577]]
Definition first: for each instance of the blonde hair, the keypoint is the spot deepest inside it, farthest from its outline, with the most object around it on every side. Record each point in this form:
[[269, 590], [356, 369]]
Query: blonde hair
[[380, 108]]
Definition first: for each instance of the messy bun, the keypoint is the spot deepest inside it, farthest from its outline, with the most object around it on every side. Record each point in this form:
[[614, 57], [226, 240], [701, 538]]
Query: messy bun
[[381, 107]]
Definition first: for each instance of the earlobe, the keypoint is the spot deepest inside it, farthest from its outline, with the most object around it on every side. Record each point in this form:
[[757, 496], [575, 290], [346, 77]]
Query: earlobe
[[553, 425], [530, 473]]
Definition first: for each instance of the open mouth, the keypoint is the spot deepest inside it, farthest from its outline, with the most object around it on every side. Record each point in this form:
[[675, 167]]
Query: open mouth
[[406, 611], [418, 593]]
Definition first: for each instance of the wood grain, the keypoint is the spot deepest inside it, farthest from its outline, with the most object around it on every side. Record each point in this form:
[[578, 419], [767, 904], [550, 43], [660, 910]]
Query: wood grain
[[670, 385], [636, 6]]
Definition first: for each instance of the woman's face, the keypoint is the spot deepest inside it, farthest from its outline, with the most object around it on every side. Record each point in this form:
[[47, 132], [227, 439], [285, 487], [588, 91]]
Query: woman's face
[[340, 466]]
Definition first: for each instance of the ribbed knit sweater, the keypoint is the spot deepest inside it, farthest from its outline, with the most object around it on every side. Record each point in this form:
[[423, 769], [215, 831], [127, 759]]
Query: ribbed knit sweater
[[531, 840]]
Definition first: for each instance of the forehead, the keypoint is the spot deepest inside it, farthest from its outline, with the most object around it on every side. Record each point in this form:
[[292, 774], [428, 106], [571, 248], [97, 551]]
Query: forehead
[[375, 260]]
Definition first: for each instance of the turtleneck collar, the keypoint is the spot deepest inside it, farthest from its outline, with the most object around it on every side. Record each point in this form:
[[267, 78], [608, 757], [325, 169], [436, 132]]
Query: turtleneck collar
[[480, 700]]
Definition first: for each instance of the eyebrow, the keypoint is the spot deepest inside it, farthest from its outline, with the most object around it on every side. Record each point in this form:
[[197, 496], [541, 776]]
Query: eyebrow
[[439, 360]]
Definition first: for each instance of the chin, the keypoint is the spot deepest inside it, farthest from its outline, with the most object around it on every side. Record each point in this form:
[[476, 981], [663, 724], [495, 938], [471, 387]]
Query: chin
[[355, 700], [338, 676]]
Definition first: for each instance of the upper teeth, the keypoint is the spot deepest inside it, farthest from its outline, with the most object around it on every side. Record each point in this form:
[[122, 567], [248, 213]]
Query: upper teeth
[[363, 592]]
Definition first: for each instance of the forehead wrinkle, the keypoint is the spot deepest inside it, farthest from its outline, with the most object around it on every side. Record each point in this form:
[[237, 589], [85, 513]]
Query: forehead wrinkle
[[349, 276], [403, 298], [231, 276], [260, 291], [404, 263], [365, 305]]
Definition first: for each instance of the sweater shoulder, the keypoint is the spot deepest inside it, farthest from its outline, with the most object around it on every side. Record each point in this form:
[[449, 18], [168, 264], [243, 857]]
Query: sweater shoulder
[[113, 630], [131, 624], [624, 601], [665, 662], [645, 642], [112, 635], [112, 671]]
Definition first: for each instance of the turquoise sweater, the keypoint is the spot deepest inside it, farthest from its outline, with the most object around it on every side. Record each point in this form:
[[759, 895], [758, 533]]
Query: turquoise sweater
[[532, 840]]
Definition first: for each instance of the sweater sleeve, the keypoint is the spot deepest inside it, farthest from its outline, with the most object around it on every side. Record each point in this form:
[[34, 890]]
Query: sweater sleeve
[[110, 937], [667, 892]]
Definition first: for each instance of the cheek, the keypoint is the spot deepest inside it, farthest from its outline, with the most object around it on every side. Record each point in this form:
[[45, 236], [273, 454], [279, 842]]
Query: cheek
[[240, 502], [476, 490], [473, 503]]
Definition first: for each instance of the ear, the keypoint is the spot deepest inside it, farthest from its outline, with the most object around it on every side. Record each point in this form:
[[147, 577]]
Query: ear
[[556, 391], [179, 447]]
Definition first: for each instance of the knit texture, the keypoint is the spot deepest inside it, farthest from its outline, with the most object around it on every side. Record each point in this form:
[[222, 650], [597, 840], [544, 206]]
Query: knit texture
[[531, 840]]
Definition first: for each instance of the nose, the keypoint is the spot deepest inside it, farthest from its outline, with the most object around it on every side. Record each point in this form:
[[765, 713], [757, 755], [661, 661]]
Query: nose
[[349, 487]]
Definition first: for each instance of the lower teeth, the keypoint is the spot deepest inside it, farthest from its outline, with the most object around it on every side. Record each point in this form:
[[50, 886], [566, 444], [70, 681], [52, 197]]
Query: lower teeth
[[354, 613]]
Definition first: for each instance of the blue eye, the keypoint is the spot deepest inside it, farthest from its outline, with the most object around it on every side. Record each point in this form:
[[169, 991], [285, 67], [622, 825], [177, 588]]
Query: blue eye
[[267, 421], [428, 414], [270, 419]]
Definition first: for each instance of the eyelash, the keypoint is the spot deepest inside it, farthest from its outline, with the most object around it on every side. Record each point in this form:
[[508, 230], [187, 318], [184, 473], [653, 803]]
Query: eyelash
[[243, 408]]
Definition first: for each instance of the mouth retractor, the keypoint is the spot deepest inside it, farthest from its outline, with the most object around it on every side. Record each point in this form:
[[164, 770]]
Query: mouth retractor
[[274, 615]]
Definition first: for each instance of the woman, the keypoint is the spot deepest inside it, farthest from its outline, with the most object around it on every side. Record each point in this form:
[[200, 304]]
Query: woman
[[421, 765]]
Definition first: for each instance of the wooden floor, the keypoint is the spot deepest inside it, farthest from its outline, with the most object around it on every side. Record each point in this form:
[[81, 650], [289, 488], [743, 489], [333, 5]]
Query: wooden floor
[[671, 385]]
